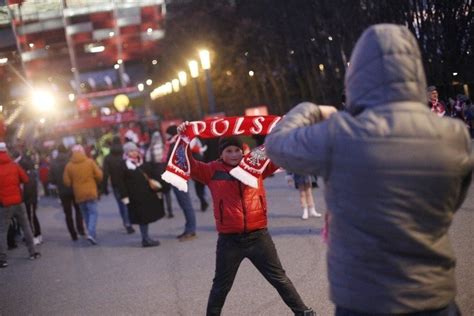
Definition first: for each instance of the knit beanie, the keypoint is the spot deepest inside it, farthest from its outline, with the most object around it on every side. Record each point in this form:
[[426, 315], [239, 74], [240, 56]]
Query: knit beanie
[[78, 148], [129, 147], [229, 141]]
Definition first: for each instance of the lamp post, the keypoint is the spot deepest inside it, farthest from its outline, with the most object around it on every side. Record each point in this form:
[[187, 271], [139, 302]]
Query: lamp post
[[194, 70], [206, 65], [183, 81]]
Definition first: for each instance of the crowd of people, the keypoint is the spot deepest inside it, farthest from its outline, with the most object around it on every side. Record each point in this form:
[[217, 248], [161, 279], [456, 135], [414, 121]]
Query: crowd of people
[[389, 210]]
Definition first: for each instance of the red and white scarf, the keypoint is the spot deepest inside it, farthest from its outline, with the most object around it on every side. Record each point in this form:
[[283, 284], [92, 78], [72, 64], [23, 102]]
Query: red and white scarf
[[251, 166]]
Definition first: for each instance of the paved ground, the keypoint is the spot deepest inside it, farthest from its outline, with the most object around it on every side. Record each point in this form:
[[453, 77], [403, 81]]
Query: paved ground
[[121, 278]]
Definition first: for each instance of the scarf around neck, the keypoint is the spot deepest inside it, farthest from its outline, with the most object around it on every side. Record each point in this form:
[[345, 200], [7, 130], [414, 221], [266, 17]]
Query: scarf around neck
[[252, 165]]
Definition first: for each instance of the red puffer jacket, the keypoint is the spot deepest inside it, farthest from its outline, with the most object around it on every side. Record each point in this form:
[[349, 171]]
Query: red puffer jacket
[[11, 175], [238, 208]]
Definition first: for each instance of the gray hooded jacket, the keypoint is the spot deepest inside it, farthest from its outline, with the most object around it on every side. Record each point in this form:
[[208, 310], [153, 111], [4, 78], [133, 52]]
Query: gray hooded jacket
[[395, 173]]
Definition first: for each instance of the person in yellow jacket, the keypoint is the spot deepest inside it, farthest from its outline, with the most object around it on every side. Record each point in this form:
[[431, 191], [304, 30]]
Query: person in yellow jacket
[[82, 174]]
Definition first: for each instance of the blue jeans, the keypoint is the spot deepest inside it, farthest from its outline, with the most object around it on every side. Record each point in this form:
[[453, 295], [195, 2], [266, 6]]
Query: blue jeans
[[184, 202], [450, 310], [90, 215], [144, 232], [123, 209]]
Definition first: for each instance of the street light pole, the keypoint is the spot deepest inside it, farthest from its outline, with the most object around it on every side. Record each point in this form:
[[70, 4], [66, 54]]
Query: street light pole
[[206, 65], [194, 70]]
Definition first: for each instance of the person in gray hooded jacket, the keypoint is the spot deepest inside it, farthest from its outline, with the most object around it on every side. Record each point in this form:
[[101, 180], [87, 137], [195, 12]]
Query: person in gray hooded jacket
[[394, 174]]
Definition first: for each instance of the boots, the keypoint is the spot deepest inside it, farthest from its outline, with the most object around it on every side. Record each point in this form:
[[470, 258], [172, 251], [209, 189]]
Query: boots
[[313, 213], [305, 213]]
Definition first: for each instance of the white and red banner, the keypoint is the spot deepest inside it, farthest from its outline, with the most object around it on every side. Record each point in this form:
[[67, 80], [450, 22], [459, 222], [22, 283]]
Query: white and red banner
[[252, 165]]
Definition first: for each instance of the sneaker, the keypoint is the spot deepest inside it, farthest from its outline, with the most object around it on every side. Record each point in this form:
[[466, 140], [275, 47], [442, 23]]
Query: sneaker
[[3, 264], [314, 213], [150, 243], [188, 236], [181, 235], [92, 240], [34, 256], [40, 239], [130, 229], [36, 241]]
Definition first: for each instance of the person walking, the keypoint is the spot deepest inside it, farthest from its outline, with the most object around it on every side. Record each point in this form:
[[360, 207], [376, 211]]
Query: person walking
[[11, 204], [82, 174], [304, 185], [395, 173], [154, 157], [66, 194], [30, 196], [184, 200], [240, 214], [145, 204], [112, 167]]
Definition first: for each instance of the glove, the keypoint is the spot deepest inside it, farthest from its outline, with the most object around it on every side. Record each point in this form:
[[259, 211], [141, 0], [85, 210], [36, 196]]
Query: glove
[[125, 200]]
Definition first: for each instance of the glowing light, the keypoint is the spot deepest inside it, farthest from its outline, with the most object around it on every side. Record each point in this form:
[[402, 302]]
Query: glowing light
[[455, 73], [43, 100], [149, 82], [3, 60], [183, 78], [141, 87], [42, 120], [205, 59], [330, 38], [193, 68], [71, 97], [251, 73], [175, 84], [121, 102], [31, 45], [321, 67], [149, 30], [111, 34], [154, 61], [120, 61], [116, 66]]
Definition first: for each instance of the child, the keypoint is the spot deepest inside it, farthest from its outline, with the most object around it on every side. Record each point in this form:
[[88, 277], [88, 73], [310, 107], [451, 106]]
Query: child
[[304, 184], [240, 214]]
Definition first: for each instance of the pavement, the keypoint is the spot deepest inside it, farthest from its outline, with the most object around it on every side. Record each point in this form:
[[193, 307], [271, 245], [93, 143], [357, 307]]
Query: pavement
[[119, 277]]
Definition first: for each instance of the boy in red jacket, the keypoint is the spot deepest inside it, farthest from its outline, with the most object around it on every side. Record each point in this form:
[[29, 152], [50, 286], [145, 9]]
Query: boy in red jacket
[[11, 204], [240, 213]]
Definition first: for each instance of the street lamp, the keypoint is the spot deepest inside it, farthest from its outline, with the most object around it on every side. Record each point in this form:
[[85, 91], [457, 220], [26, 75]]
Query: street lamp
[[194, 71], [175, 84], [206, 65], [183, 78]]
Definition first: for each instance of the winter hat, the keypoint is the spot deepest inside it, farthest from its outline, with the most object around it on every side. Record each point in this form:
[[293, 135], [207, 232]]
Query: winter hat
[[129, 147], [431, 88], [3, 146], [172, 130], [62, 149], [77, 148], [229, 141]]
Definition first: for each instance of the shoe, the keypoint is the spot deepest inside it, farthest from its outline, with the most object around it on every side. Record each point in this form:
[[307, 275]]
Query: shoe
[[36, 241], [130, 229], [308, 312], [12, 246], [204, 206], [313, 213], [92, 240], [40, 239], [3, 264], [305, 214], [150, 243], [188, 236], [34, 256], [181, 235]]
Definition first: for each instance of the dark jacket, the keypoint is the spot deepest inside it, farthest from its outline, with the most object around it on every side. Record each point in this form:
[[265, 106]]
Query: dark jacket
[[113, 163], [56, 174], [394, 175], [11, 176], [30, 189], [145, 205], [238, 208]]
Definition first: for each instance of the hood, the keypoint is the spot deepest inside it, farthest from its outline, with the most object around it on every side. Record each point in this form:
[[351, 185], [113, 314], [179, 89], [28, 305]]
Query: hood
[[4, 158], [385, 67], [116, 149], [78, 157]]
